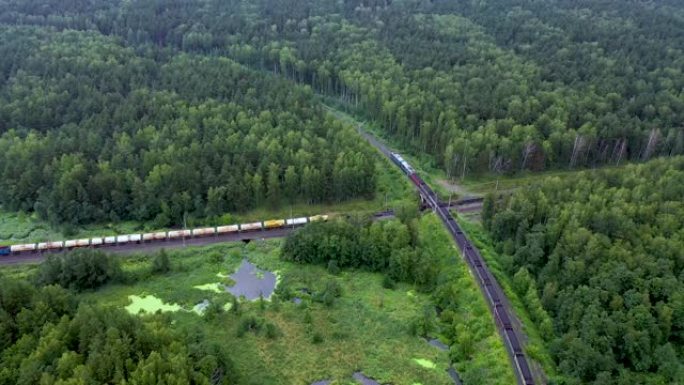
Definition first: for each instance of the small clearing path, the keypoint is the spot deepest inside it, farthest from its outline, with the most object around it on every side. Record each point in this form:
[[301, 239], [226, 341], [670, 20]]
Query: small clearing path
[[455, 188]]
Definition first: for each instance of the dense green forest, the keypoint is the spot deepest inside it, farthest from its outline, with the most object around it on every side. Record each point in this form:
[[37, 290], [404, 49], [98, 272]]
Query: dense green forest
[[602, 251], [507, 84], [163, 109], [388, 247], [483, 86], [46, 337], [95, 131]]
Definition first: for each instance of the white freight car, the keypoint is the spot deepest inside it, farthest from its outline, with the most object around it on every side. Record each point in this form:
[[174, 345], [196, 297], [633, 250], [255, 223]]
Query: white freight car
[[71, 243], [135, 238], [175, 234], [203, 232], [297, 221], [250, 226], [83, 242], [21, 248], [227, 229]]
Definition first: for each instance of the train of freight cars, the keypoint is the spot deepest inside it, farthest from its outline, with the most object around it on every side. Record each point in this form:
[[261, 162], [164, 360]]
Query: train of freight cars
[[159, 235], [500, 312]]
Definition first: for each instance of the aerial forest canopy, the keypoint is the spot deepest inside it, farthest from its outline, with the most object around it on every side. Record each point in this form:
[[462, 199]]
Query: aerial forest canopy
[[135, 110], [602, 251], [93, 131], [47, 338], [155, 110], [496, 85]]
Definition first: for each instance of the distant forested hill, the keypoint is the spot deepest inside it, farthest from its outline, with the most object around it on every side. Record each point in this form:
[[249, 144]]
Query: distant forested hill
[[602, 253]]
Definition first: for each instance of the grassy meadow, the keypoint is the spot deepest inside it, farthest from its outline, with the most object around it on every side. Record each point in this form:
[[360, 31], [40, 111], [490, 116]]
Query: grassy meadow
[[366, 329], [277, 341]]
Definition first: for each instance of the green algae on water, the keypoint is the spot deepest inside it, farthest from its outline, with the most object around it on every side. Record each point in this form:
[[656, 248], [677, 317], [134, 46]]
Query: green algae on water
[[149, 304], [425, 363], [215, 287]]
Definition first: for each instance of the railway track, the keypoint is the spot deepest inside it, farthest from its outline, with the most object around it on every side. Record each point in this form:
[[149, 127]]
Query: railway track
[[130, 248], [506, 322], [494, 296]]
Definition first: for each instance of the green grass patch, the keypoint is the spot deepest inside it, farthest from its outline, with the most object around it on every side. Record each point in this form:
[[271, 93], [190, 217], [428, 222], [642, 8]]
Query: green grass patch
[[213, 287], [485, 183], [24, 228], [425, 363], [19, 271]]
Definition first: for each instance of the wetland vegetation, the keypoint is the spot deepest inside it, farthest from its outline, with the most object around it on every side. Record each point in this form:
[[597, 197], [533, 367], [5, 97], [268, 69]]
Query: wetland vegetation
[[348, 319]]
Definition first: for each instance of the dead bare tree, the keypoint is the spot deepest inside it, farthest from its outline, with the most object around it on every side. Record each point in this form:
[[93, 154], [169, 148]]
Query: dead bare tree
[[653, 140], [619, 150], [528, 150], [465, 159], [577, 150]]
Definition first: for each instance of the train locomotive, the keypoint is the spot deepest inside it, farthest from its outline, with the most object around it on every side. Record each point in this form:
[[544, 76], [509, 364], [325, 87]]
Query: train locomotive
[[407, 169]]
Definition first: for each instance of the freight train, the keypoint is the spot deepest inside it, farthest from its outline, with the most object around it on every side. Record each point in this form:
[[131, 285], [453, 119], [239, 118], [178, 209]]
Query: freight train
[[477, 265], [159, 235]]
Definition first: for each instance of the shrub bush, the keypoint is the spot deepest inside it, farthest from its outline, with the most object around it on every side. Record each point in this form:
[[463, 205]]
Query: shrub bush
[[332, 267], [317, 338], [161, 263], [388, 282], [79, 270]]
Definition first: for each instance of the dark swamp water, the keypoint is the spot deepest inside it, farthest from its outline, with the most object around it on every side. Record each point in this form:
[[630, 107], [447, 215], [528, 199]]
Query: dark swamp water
[[361, 378], [251, 282], [438, 344]]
